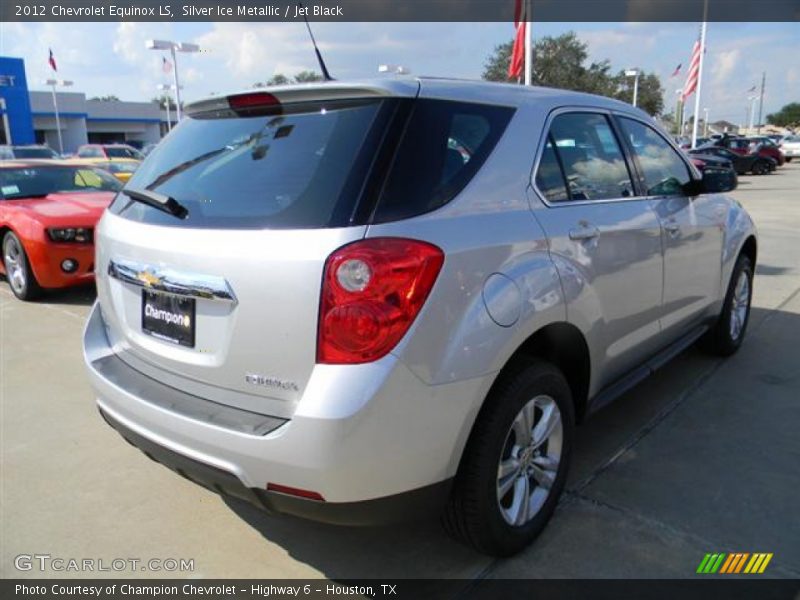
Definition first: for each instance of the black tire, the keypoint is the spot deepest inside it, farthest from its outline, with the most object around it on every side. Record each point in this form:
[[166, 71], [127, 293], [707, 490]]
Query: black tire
[[721, 339], [760, 167], [789, 159], [14, 256], [474, 514]]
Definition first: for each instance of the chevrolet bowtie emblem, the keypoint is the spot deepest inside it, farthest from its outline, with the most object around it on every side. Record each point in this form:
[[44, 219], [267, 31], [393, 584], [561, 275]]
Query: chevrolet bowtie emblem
[[147, 278]]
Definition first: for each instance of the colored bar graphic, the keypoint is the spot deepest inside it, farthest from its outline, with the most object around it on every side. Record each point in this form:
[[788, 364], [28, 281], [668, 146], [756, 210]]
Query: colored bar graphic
[[723, 563], [765, 563], [727, 564], [701, 568]]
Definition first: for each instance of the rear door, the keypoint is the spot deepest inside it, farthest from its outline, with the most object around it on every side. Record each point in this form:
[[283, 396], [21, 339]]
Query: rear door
[[692, 227], [224, 302], [605, 240]]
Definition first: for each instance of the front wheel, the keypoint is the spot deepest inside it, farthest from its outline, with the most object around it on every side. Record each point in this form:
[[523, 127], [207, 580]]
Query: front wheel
[[725, 337], [515, 465], [760, 168], [18, 269]]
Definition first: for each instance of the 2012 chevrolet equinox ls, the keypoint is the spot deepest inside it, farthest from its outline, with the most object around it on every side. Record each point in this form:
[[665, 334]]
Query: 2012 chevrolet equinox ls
[[353, 301]]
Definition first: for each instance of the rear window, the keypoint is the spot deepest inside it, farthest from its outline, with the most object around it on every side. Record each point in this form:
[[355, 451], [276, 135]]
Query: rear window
[[317, 164]]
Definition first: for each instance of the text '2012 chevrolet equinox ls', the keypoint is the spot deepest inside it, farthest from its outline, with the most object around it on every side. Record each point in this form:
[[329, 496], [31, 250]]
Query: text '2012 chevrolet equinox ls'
[[356, 301]]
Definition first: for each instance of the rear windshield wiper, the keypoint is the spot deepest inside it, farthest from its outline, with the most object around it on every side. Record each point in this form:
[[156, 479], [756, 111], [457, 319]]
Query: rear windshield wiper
[[168, 204]]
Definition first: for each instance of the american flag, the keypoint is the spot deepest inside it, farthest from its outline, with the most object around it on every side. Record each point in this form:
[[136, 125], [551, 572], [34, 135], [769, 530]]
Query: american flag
[[517, 61], [52, 60], [166, 66], [694, 67], [677, 70]]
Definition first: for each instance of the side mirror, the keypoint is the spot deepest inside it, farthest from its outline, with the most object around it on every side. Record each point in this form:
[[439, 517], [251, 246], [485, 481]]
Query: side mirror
[[716, 181]]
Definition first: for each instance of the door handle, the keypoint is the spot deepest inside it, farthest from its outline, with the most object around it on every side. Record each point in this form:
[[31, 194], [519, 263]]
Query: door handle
[[585, 232]]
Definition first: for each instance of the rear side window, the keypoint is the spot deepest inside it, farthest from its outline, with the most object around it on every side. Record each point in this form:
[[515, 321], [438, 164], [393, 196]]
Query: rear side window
[[444, 145], [583, 146], [549, 176], [664, 172]]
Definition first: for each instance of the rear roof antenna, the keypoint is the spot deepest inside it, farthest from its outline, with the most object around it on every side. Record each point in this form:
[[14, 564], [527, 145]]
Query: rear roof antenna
[[325, 75]]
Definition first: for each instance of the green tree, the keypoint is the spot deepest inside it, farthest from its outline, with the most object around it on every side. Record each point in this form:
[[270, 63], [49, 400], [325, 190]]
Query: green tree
[[281, 79], [788, 116], [162, 102], [307, 77], [650, 96], [563, 62]]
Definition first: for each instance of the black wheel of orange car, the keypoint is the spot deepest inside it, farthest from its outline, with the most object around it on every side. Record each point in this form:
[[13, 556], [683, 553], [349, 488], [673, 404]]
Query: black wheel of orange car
[[19, 274], [726, 336], [515, 465], [760, 167]]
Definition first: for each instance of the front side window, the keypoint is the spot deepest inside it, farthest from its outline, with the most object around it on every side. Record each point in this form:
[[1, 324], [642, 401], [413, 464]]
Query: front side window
[[664, 171], [584, 147]]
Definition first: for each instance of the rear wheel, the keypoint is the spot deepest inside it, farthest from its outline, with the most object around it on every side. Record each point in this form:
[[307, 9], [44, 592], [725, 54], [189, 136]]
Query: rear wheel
[[725, 337], [18, 270], [789, 159], [760, 167], [515, 465]]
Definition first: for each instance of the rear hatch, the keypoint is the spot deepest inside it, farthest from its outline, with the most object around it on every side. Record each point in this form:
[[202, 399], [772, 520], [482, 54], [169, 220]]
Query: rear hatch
[[224, 301]]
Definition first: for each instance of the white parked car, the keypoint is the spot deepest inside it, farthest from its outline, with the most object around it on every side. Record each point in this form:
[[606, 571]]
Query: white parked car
[[790, 146]]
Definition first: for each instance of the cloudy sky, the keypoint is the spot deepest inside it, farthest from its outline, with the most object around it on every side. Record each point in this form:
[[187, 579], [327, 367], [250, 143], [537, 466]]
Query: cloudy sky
[[110, 58]]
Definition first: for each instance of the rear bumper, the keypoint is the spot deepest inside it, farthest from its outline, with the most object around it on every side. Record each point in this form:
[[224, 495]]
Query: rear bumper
[[373, 440], [415, 504]]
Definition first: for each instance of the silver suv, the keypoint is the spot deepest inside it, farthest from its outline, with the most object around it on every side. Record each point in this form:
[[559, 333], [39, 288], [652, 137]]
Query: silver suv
[[356, 302]]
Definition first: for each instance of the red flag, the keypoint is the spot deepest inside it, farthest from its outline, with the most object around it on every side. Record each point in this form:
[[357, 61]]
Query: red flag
[[677, 70], [517, 61], [52, 60], [166, 66], [694, 67]]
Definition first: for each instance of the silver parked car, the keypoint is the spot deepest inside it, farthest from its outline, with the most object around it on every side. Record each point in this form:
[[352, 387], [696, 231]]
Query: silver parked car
[[353, 302]]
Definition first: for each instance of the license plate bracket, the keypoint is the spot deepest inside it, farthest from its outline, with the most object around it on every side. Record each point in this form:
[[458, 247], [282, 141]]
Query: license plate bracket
[[169, 317]]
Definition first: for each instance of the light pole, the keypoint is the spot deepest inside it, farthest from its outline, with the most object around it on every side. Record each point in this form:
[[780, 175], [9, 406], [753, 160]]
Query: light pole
[[635, 74], [165, 88], [705, 122], [53, 83], [752, 111], [679, 111], [173, 47]]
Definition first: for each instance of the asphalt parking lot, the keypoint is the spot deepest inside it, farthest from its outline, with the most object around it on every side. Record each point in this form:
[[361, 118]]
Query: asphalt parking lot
[[703, 457]]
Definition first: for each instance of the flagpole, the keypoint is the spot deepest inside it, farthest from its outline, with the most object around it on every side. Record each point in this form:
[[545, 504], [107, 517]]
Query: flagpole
[[58, 121], [699, 76], [528, 45]]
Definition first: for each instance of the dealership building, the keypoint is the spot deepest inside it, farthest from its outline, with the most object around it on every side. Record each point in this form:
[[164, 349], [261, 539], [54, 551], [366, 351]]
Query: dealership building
[[29, 117]]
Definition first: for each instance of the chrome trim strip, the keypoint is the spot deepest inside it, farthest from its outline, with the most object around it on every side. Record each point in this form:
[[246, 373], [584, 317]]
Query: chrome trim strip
[[195, 285]]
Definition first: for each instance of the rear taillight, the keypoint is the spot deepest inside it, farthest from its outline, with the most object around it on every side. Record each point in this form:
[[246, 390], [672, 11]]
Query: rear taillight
[[253, 101], [372, 290]]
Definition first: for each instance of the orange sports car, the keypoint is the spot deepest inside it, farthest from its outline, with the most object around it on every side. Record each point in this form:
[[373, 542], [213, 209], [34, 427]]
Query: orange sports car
[[48, 211]]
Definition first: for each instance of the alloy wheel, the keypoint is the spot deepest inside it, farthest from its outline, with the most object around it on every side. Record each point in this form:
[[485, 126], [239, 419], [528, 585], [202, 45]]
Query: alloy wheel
[[740, 304], [530, 459], [15, 264]]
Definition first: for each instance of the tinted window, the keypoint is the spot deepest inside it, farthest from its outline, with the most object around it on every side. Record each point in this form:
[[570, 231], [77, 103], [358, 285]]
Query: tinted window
[[90, 153], [591, 157], [122, 152], [27, 182], [549, 177], [270, 170], [29, 152], [443, 147], [664, 171]]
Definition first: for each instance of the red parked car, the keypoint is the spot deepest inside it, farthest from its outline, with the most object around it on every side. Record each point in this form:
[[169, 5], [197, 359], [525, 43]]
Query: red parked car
[[48, 211], [746, 146]]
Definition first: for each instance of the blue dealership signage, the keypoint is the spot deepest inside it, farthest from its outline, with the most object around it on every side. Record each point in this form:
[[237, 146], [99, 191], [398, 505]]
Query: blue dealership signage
[[15, 110]]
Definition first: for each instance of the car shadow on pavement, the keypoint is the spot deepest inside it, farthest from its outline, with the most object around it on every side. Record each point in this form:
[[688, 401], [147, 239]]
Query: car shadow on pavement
[[343, 552], [83, 295]]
